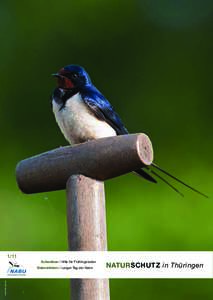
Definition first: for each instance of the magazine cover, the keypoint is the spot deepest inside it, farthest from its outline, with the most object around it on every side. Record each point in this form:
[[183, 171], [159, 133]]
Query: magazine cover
[[106, 167]]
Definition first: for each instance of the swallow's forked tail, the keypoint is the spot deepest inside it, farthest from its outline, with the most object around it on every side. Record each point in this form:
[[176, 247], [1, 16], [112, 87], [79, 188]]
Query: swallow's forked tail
[[175, 178]]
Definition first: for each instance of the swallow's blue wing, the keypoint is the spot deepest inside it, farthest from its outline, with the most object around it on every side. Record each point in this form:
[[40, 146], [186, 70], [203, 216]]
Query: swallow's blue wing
[[102, 109]]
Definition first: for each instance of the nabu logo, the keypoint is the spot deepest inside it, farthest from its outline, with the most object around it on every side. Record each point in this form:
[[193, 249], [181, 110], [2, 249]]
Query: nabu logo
[[16, 269]]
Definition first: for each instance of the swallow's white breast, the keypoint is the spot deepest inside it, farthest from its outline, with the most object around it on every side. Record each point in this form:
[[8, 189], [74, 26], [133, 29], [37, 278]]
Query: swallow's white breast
[[77, 122]]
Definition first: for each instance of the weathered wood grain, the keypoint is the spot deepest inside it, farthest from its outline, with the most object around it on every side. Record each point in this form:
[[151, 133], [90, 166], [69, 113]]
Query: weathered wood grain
[[87, 231], [100, 159]]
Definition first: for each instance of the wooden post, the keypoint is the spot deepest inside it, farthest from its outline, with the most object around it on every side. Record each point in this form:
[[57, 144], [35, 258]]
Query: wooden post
[[87, 231], [100, 159]]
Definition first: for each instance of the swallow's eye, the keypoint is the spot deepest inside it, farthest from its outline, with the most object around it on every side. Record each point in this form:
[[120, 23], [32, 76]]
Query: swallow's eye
[[74, 75]]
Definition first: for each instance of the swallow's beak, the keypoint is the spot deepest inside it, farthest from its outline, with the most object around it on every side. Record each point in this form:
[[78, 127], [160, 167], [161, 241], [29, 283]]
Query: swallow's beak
[[56, 75]]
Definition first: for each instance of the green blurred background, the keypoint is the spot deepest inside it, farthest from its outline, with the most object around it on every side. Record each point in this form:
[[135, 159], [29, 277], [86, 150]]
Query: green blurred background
[[153, 61]]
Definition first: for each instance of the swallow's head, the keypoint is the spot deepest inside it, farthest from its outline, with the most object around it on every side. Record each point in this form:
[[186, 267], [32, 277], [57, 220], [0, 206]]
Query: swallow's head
[[72, 76]]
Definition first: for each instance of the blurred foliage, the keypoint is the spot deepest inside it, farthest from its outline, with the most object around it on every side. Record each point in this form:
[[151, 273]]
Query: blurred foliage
[[153, 61]]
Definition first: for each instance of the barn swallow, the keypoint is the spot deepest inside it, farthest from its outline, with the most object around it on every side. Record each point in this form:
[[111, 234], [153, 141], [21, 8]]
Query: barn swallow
[[83, 113]]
